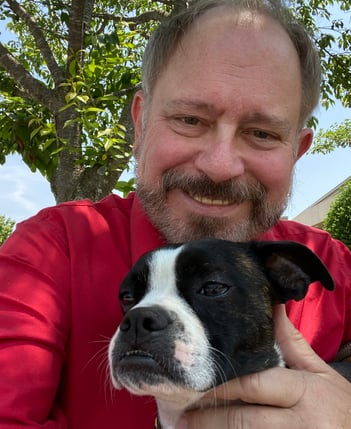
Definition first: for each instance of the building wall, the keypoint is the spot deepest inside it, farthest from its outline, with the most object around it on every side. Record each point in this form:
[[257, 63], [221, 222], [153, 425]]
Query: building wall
[[316, 213]]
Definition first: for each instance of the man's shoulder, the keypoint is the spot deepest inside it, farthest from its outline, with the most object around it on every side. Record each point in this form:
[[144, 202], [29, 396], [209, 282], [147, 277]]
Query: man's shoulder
[[76, 210], [78, 219], [295, 231], [109, 203], [318, 240]]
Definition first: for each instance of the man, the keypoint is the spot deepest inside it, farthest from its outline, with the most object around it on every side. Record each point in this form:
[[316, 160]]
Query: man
[[219, 125]]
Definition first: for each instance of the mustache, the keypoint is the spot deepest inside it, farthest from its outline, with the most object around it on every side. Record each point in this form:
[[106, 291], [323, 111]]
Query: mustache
[[202, 186]]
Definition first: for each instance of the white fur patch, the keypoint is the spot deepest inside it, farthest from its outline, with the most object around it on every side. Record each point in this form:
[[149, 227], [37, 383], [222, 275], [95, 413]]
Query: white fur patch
[[192, 348]]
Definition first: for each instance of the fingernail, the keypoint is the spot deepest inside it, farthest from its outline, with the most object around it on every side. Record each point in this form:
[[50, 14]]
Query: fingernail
[[182, 424]]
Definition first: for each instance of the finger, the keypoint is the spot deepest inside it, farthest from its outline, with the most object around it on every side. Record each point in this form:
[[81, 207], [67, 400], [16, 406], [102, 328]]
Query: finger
[[296, 351], [239, 417], [279, 387]]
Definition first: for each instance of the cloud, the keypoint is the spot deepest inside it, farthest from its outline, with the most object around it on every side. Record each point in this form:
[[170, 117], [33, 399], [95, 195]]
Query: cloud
[[22, 193]]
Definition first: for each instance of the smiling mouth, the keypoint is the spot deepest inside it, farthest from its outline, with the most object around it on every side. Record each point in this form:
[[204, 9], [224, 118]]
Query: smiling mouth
[[211, 201]]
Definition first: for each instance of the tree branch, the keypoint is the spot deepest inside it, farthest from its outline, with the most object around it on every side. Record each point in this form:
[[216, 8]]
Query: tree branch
[[40, 40], [177, 4], [33, 88], [137, 20], [152, 15], [78, 24]]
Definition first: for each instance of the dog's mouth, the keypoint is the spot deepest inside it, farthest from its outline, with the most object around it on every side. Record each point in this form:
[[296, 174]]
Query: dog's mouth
[[137, 353], [139, 368], [140, 360]]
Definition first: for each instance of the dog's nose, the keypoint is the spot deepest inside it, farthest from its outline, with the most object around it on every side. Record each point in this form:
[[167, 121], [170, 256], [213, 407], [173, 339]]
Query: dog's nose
[[145, 321]]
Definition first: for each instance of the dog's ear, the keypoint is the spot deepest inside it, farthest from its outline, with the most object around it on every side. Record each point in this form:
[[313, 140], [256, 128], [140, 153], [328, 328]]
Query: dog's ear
[[291, 267]]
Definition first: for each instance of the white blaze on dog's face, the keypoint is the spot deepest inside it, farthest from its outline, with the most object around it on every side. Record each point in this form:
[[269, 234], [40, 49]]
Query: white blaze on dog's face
[[160, 339]]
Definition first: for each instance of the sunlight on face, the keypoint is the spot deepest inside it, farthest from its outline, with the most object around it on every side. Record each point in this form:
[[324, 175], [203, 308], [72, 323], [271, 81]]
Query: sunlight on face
[[217, 143]]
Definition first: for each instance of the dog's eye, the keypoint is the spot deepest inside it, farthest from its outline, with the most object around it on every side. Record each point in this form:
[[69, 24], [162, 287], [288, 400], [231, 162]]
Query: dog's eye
[[214, 289], [126, 299]]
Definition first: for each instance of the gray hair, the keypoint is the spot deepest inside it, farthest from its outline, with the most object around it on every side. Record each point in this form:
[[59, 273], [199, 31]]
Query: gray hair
[[166, 38]]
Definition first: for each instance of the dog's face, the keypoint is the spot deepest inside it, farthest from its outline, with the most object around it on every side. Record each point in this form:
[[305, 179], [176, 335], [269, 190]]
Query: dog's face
[[200, 313]]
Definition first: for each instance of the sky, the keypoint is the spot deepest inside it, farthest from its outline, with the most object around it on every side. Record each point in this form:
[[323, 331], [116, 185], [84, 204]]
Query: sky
[[23, 193]]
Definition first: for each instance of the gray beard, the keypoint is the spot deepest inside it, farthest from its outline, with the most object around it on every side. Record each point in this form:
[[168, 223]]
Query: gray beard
[[262, 217]]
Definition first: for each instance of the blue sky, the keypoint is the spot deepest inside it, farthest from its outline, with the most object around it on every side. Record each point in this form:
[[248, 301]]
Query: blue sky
[[23, 193]]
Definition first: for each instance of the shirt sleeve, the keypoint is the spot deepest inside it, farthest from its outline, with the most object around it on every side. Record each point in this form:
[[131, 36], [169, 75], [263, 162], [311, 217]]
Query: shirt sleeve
[[341, 271], [333, 324], [34, 321], [323, 317]]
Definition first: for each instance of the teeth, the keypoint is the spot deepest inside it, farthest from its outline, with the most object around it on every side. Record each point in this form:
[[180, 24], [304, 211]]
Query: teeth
[[211, 201]]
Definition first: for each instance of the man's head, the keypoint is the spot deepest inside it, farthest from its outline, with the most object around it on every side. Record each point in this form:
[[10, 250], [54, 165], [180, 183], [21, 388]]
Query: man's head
[[167, 38], [218, 125]]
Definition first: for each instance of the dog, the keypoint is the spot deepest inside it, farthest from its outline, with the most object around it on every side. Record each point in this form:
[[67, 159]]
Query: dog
[[200, 313]]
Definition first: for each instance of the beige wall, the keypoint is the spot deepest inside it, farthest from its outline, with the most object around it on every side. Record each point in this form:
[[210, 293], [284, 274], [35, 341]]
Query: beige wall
[[316, 213]]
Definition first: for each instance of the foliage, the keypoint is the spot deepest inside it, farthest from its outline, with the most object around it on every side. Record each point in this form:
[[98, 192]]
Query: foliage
[[339, 135], [327, 21], [68, 74], [338, 220], [66, 82], [6, 228]]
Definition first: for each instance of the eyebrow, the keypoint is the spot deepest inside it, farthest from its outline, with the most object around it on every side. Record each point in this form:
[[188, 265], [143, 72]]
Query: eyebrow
[[191, 104], [263, 118], [254, 117]]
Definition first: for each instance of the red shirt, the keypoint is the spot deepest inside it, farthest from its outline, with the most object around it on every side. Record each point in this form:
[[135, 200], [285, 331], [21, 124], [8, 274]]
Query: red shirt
[[60, 273]]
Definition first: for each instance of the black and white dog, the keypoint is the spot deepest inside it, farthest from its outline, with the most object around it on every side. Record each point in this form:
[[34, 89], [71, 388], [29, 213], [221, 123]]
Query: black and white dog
[[200, 313]]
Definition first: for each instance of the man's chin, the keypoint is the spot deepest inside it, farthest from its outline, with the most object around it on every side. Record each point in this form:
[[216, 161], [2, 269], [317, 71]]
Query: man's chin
[[179, 226], [193, 227]]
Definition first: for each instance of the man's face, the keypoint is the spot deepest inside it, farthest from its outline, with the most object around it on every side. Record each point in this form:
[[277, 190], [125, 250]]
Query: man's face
[[221, 134]]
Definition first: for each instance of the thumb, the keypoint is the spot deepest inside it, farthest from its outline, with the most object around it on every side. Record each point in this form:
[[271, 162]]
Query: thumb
[[296, 351]]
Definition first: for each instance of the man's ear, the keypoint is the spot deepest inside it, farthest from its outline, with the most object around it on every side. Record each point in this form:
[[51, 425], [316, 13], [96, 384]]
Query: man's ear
[[304, 142], [290, 268], [137, 111]]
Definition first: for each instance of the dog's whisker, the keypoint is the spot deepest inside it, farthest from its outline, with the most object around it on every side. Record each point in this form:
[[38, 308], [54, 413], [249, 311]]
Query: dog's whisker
[[226, 358], [222, 378], [103, 368], [101, 353]]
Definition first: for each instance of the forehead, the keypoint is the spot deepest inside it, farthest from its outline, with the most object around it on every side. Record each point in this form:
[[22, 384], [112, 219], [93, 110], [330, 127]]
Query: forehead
[[160, 281], [211, 255], [180, 271], [224, 27], [230, 60]]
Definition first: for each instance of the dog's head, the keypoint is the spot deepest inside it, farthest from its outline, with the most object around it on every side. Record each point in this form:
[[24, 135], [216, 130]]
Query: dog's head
[[200, 313]]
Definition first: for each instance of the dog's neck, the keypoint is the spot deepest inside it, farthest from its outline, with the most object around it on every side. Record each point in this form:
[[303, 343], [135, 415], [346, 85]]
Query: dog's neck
[[170, 411]]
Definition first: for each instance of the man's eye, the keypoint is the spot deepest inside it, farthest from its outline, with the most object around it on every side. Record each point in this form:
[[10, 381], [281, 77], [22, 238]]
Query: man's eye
[[188, 126], [262, 138], [262, 134], [189, 120]]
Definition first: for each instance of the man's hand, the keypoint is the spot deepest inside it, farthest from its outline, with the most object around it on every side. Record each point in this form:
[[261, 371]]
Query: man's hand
[[308, 395]]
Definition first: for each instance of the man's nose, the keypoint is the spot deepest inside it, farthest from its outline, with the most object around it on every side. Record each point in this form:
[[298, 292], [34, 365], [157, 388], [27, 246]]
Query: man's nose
[[221, 157]]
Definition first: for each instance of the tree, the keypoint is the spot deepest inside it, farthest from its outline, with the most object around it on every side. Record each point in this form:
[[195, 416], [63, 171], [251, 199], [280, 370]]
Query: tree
[[338, 220], [6, 227], [68, 77], [66, 83], [339, 135], [327, 21]]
